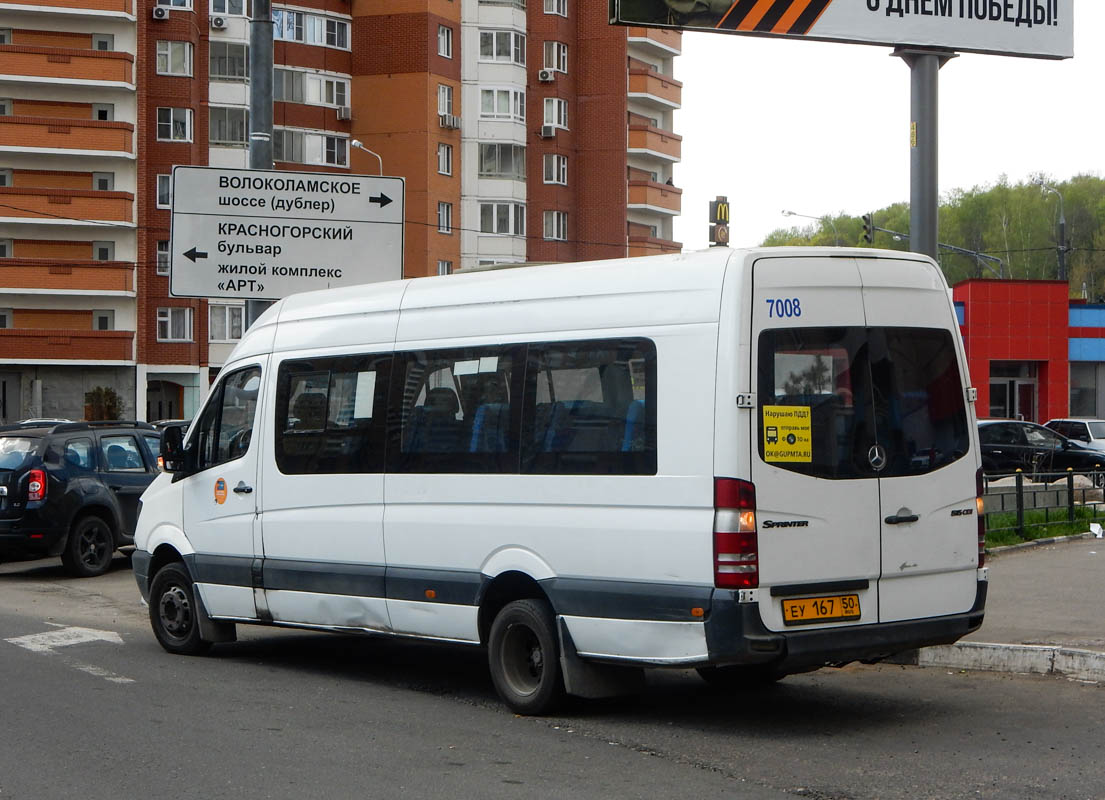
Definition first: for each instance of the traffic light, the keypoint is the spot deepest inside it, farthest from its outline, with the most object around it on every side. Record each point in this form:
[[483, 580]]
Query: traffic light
[[868, 228]]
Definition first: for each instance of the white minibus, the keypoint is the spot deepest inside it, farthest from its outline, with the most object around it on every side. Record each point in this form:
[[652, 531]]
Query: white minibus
[[751, 463]]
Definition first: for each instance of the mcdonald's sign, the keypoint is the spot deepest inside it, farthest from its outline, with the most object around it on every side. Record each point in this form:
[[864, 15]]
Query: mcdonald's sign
[[719, 221]]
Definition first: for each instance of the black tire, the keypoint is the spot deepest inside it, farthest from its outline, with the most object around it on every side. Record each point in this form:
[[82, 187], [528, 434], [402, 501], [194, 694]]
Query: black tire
[[740, 676], [89, 548], [173, 611], [524, 654]]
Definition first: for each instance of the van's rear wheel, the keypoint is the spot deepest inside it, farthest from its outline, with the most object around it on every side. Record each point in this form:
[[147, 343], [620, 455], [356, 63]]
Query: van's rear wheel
[[89, 548], [525, 658], [740, 676], [173, 611]]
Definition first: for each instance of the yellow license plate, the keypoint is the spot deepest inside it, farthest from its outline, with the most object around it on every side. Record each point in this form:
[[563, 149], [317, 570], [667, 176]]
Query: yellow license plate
[[807, 610]]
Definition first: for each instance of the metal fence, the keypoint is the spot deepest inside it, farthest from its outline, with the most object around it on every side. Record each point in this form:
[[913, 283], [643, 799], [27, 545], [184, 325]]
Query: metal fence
[[1029, 504]]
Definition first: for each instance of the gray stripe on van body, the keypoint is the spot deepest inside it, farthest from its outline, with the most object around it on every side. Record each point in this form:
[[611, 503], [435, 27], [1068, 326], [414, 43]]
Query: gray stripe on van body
[[453, 587], [322, 577], [661, 602], [225, 570]]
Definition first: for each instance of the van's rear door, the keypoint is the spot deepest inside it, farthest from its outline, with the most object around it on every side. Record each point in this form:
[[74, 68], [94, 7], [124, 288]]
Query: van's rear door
[[817, 501], [928, 563]]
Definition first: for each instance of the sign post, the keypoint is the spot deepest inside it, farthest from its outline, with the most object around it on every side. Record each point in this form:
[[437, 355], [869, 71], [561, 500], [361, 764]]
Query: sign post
[[264, 234]]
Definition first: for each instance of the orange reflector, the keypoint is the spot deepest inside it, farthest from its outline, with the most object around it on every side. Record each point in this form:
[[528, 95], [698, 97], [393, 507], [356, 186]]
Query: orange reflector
[[430, 594], [698, 612]]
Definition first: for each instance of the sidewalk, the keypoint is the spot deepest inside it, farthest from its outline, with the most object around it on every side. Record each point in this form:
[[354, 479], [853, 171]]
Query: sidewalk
[[1044, 613]]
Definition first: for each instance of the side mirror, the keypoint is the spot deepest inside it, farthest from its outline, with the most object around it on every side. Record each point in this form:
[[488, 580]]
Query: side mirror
[[172, 449]]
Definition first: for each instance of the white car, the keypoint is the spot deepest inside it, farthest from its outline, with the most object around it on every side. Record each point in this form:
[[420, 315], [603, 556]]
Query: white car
[[1090, 432]]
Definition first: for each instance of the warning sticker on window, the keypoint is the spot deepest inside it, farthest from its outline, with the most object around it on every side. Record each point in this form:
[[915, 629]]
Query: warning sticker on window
[[787, 435]]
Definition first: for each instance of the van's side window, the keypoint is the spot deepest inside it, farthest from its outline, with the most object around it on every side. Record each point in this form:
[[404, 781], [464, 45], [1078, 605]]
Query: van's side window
[[330, 415], [590, 408], [226, 427], [458, 410]]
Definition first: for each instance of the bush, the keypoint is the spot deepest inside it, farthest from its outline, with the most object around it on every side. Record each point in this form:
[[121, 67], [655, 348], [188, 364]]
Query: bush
[[102, 402]]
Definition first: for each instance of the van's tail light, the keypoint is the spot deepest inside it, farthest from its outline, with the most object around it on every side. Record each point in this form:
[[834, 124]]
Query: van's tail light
[[36, 485], [980, 514], [736, 551]]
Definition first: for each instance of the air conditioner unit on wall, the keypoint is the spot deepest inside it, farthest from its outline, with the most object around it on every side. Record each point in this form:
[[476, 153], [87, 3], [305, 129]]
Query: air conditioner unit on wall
[[345, 112], [548, 131], [546, 75], [160, 12], [218, 23]]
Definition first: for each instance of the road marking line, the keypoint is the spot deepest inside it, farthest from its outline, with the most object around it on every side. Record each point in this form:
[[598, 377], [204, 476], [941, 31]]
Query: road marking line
[[46, 642]]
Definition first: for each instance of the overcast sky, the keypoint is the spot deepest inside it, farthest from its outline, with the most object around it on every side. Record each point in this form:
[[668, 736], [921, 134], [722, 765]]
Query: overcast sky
[[821, 128]]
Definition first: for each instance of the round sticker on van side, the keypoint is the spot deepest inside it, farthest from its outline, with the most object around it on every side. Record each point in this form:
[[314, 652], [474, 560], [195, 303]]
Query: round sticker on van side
[[220, 491], [787, 434]]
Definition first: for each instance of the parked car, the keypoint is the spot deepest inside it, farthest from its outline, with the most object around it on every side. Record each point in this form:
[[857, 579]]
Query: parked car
[[1009, 445], [1090, 432], [72, 489]]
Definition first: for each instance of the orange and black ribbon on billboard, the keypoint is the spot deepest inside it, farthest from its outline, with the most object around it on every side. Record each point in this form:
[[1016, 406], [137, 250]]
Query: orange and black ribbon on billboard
[[790, 17], [793, 17]]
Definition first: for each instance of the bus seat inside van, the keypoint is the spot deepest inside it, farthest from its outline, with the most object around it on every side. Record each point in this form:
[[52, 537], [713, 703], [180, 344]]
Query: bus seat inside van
[[489, 428], [310, 412], [434, 425]]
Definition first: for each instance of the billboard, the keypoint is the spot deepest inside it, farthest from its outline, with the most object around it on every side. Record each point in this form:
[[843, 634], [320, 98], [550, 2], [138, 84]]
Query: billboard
[[1031, 28]]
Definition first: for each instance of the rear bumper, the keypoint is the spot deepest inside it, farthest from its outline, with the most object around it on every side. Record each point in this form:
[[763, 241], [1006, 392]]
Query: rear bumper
[[29, 537], [736, 635]]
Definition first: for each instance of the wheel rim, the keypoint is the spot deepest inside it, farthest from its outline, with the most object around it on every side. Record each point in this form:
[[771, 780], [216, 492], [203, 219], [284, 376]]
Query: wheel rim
[[94, 546], [523, 660], [174, 609]]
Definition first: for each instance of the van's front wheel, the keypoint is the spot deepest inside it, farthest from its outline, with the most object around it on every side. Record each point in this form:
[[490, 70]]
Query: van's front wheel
[[525, 658], [173, 611]]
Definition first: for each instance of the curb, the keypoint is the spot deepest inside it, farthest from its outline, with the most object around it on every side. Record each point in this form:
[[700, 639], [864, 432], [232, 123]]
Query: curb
[[996, 551], [1084, 665]]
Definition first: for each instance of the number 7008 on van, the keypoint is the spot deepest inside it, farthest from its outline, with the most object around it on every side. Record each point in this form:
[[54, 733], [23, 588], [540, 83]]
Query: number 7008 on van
[[750, 463]]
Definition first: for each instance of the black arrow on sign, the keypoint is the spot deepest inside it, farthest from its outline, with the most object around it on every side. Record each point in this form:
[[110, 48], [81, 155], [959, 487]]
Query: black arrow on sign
[[381, 198], [193, 254]]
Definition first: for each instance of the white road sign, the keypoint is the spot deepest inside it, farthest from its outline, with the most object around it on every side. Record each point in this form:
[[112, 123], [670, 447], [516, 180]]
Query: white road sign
[[264, 234]]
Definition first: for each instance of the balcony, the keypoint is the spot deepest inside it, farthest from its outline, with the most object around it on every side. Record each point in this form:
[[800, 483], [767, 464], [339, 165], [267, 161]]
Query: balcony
[[72, 8], [659, 42], [651, 246], [64, 65], [659, 198], [59, 136], [648, 140], [38, 346], [62, 206], [53, 276], [649, 86]]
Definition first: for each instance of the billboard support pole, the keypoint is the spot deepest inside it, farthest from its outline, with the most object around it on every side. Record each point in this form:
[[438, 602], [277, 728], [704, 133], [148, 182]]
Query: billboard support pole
[[260, 110], [924, 190]]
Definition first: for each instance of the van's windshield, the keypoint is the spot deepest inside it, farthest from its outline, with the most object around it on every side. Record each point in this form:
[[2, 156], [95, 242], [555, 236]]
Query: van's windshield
[[851, 402]]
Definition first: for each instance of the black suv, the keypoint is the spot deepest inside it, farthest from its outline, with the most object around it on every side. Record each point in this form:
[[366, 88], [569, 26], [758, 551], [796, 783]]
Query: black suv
[[72, 489]]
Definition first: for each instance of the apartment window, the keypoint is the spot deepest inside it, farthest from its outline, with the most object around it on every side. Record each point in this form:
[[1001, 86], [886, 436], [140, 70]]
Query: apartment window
[[445, 41], [503, 46], [103, 320], [5, 177], [287, 25], [288, 146], [5, 35], [288, 85], [335, 92], [5, 248], [444, 267], [337, 33], [335, 151], [503, 104], [5, 318], [174, 124], [444, 99], [103, 41], [444, 217], [103, 251], [504, 218], [556, 56], [234, 8], [104, 112], [444, 158], [175, 3], [102, 181], [556, 168], [229, 61], [503, 161], [225, 322], [556, 7], [163, 257], [174, 58], [164, 191], [228, 126], [556, 112], [174, 324], [556, 225]]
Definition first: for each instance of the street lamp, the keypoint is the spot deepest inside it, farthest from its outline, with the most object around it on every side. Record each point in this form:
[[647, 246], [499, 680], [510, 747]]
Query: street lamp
[[360, 146], [1062, 227], [822, 220]]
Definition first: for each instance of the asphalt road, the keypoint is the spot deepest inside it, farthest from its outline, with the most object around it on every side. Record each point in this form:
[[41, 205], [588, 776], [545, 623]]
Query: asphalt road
[[286, 714]]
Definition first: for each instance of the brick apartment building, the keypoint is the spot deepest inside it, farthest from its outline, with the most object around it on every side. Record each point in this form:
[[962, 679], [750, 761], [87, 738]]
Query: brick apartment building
[[526, 131]]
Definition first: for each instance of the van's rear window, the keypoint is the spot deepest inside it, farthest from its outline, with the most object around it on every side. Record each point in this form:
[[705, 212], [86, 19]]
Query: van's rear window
[[853, 388], [14, 451]]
